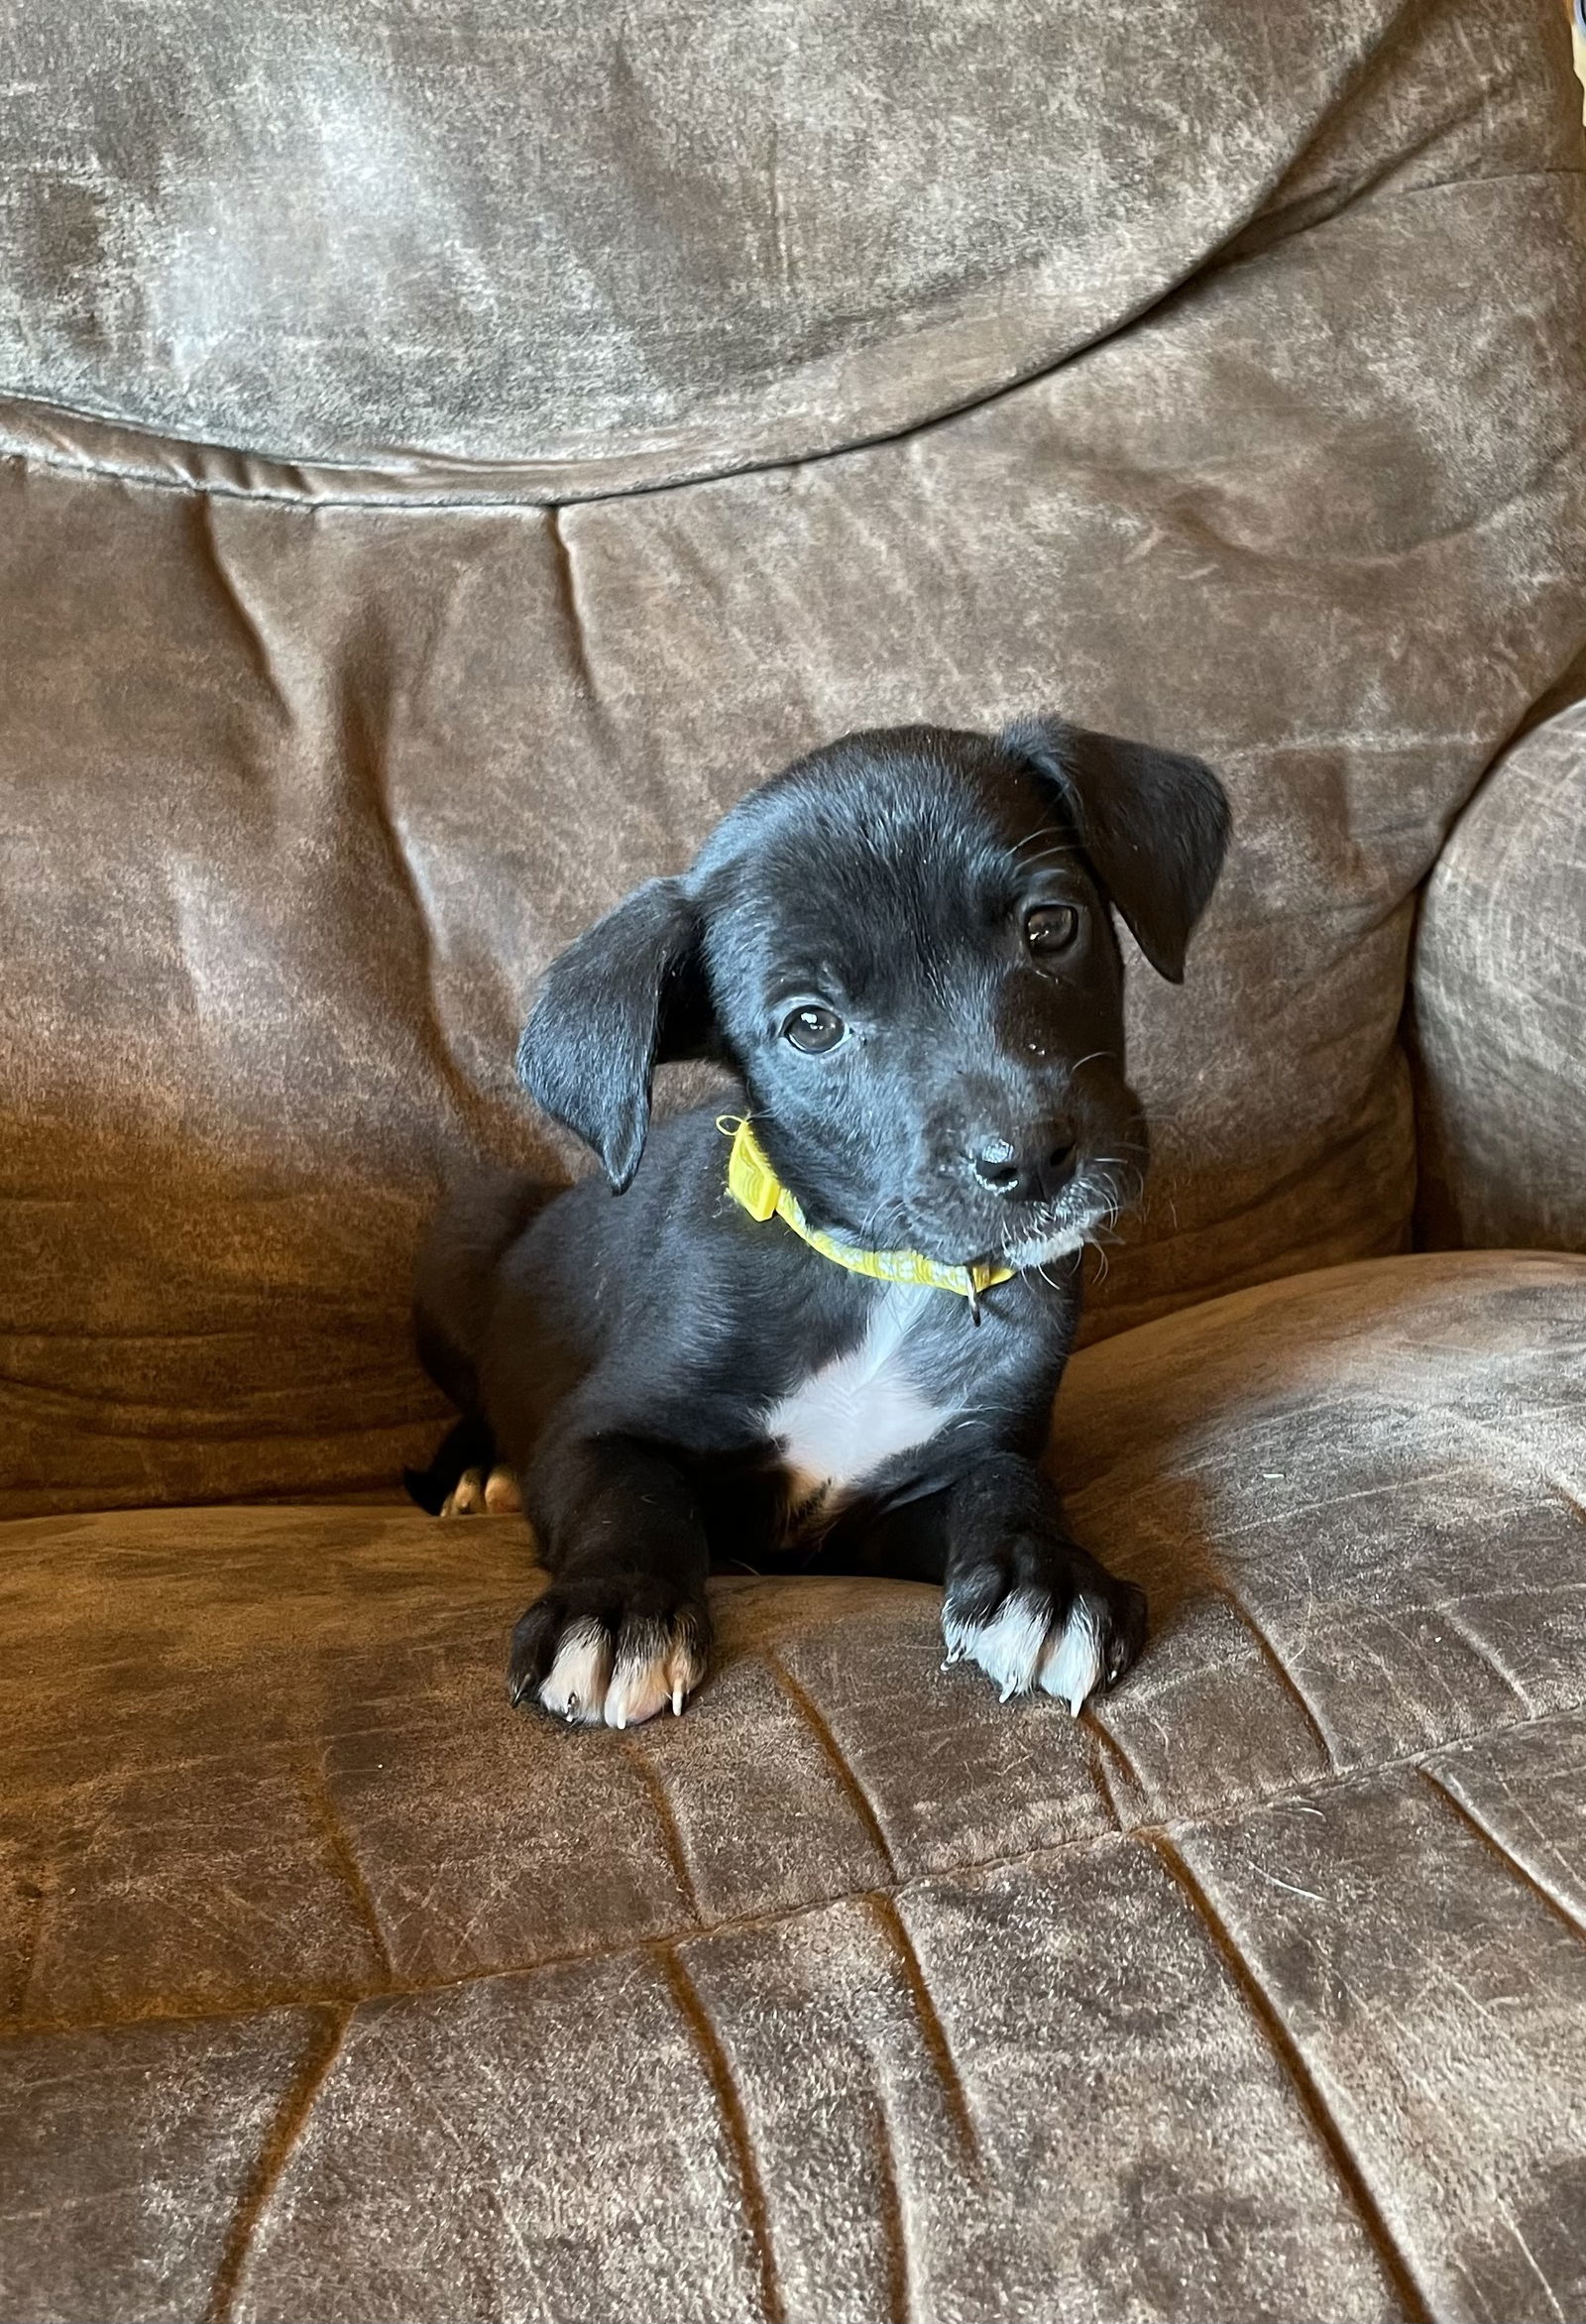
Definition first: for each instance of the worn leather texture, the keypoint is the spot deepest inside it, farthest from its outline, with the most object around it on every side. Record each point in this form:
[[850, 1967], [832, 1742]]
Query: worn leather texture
[[1499, 1006], [448, 450], [336, 1989], [644, 240], [306, 772]]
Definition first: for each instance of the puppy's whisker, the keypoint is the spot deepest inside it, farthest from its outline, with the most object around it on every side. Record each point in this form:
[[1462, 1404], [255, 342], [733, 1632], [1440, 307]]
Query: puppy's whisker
[[877, 1233], [1038, 838]]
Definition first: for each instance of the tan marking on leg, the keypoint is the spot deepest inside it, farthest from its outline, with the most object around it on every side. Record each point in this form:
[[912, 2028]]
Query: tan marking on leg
[[467, 1496], [502, 1495]]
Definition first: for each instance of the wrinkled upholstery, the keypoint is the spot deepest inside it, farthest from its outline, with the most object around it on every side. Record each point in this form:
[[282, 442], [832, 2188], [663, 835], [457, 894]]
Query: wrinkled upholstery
[[339, 1990], [1500, 1001], [305, 780], [448, 450]]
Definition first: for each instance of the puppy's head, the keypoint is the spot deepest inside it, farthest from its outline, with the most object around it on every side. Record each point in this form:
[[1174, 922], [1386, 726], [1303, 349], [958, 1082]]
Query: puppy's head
[[904, 947]]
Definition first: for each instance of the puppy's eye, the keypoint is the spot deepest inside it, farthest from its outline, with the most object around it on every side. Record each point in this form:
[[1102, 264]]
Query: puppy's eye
[[1050, 929], [814, 1029]]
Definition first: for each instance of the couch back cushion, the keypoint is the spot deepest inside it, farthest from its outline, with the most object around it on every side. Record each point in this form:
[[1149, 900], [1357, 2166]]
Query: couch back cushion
[[1500, 1017], [308, 770], [617, 232]]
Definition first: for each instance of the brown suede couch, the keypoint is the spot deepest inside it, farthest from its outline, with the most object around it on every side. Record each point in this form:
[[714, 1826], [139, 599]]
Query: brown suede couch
[[448, 450]]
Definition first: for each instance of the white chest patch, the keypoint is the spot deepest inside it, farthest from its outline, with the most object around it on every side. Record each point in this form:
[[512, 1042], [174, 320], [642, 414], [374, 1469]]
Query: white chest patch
[[838, 1426]]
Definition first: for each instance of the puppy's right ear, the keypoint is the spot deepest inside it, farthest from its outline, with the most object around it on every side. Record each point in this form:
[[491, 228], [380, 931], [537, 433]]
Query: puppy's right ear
[[1154, 824], [629, 996]]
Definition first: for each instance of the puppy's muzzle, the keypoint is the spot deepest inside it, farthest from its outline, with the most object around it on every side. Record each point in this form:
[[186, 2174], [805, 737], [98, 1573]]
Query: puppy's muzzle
[[1031, 1165]]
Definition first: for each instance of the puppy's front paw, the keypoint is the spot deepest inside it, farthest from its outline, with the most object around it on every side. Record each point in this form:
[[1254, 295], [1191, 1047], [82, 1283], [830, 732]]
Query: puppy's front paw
[[475, 1490], [1044, 1615], [467, 1496], [596, 1661]]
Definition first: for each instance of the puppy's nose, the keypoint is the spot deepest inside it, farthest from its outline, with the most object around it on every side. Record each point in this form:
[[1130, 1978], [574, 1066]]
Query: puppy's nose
[[1029, 1166]]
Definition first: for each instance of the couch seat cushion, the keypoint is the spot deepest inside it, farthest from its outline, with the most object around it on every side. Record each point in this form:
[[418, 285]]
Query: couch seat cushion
[[336, 1989]]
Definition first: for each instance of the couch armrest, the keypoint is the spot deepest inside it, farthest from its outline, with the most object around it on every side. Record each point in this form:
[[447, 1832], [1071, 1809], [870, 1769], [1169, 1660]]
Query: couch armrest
[[1500, 1006]]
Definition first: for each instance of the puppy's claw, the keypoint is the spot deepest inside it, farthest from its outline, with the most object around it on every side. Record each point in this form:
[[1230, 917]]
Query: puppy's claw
[[677, 1699]]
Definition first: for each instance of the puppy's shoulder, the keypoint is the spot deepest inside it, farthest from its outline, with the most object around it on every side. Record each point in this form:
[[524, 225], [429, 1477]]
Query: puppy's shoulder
[[675, 1197]]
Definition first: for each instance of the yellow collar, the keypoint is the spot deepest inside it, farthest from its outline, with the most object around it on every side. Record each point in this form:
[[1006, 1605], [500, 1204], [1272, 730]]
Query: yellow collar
[[752, 1182]]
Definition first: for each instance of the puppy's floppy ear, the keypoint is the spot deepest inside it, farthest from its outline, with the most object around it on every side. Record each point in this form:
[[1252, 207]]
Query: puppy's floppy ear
[[1154, 824], [629, 996]]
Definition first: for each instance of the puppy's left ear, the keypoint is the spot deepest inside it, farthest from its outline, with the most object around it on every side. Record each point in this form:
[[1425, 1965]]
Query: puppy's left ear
[[631, 995], [1154, 824]]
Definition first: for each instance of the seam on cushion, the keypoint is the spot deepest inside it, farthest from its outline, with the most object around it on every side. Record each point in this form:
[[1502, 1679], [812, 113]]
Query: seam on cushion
[[815, 1719], [507, 496], [1290, 1685], [969, 1867], [932, 2032], [24, 1955], [1268, 2021], [1375, 192], [671, 1830], [734, 2120], [82, 1408], [1206, 263], [1514, 736], [1449, 1614], [893, 2223], [1109, 1746], [1360, 74], [1468, 1816], [291, 2121], [1365, 197], [322, 1807], [1556, 1485]]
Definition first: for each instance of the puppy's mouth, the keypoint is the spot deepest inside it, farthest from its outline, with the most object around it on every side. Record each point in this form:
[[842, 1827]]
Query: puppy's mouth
[[1034, 1235], [1087, 1209]]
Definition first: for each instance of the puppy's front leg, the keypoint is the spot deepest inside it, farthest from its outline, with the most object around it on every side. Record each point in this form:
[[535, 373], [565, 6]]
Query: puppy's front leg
[[624, 1628], [1022, 1599]]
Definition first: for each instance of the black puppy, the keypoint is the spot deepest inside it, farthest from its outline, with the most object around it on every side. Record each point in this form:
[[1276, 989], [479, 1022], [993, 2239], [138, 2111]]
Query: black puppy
[[834, 1321]]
